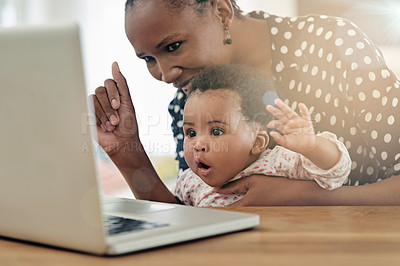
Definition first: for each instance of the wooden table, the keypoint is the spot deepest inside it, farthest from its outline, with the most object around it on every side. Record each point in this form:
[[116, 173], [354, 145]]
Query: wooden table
[[286, 236]]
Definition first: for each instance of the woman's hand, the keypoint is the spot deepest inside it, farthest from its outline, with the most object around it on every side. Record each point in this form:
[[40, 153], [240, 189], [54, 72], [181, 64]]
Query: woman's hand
[[263, 190], [116, 120]]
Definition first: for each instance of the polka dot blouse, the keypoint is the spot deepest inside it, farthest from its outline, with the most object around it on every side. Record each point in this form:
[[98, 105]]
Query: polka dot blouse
[[329, 64]]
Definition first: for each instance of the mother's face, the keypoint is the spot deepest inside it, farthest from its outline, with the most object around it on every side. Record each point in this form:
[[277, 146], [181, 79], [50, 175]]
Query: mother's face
[[176, 44]]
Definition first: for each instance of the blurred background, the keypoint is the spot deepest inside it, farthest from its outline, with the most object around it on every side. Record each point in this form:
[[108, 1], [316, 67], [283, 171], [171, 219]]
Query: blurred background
[[104, 41]]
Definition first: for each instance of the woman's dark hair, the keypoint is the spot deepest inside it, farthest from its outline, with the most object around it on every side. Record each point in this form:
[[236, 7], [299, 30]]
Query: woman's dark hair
[[252, 86], [199, 5]]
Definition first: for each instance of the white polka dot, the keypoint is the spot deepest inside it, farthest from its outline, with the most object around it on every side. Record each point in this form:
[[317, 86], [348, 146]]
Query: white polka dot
[[345, 74], [314, 71], [328, 98], [353, 131], [384, 155], [293, 19], [341, 23], [360, 45], [305, 68], [332, 80], [323, 16], [351, 32], [397, 167], [176, 108], [336, 103], [273, 47], [278, 20], [328, 35], [367, 60], [300, 26], [391, 120], [339, 64], [284, 49], [354, 66], [180, 95], [349, 51], [319, 31], [368, 117], [318, 93], [333, 120], [385, 73], [299, 86], [324, 74], [348, 144], [294, 105], [395, 102], [339, 42], [374, 134], [373, 149], [308, 89], [397, 157], [359, 80], [304, 45], [179, 136], [359, 150], [370, 170], [298, 53], [317, 118], [288, 35], [372, 76], [181, 154], [312, 48], [280, 67], [384, 101], [376, 94], [311, 28], [362, 96], [387, 138], [346, 110], [292, 84], [180, 123], [329, 57], [310, 19], [274, 30], [321, 53], [378, 117], [353, 165]]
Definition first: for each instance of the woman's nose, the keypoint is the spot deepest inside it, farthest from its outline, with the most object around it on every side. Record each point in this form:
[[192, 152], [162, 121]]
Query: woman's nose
[[167, 72]]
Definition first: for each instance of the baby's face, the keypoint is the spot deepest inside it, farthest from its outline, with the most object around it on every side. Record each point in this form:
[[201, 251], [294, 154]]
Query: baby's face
[[218, 139]]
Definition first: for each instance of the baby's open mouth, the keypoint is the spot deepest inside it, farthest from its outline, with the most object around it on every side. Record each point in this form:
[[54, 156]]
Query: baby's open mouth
[[202, 165]]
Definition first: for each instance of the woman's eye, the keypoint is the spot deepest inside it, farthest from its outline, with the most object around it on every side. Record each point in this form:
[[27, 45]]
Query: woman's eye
[[217, 131], [190, 133], [148, 59], [173, 46]]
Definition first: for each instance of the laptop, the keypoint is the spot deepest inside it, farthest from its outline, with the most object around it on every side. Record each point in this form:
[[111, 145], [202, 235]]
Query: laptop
[[49, 189]]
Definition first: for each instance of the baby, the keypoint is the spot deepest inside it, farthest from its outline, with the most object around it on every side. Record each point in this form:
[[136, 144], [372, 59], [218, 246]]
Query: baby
[[226, 138]]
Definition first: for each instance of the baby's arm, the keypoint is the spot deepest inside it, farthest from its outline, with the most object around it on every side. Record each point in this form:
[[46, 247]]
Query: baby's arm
[[298, 135]]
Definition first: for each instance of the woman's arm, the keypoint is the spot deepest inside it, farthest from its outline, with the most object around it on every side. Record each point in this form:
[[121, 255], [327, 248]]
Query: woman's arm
[[267, 191], [117, 133]]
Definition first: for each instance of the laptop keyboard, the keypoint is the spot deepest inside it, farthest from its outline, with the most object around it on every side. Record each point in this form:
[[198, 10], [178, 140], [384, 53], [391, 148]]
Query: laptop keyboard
[[117, 225]]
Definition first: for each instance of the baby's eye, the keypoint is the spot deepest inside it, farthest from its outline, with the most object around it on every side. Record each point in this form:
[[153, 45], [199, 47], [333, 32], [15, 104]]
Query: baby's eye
[[173, 46], [217, 131], [190, 133]]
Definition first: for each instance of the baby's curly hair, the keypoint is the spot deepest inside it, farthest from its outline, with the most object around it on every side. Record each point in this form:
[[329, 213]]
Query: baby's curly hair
[[254, 89]]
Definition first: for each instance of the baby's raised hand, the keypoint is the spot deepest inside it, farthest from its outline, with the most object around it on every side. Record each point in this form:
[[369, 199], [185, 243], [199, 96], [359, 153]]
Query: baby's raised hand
[[297, 131]]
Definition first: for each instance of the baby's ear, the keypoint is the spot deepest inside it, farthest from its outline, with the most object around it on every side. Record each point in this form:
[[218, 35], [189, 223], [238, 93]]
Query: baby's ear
[[261, 142]]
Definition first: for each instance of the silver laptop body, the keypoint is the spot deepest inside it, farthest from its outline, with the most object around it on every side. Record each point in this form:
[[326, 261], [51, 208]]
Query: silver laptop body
[[49, 192]]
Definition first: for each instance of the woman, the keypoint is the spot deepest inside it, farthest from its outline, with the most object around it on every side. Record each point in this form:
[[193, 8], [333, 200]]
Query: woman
[[325, 62]]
